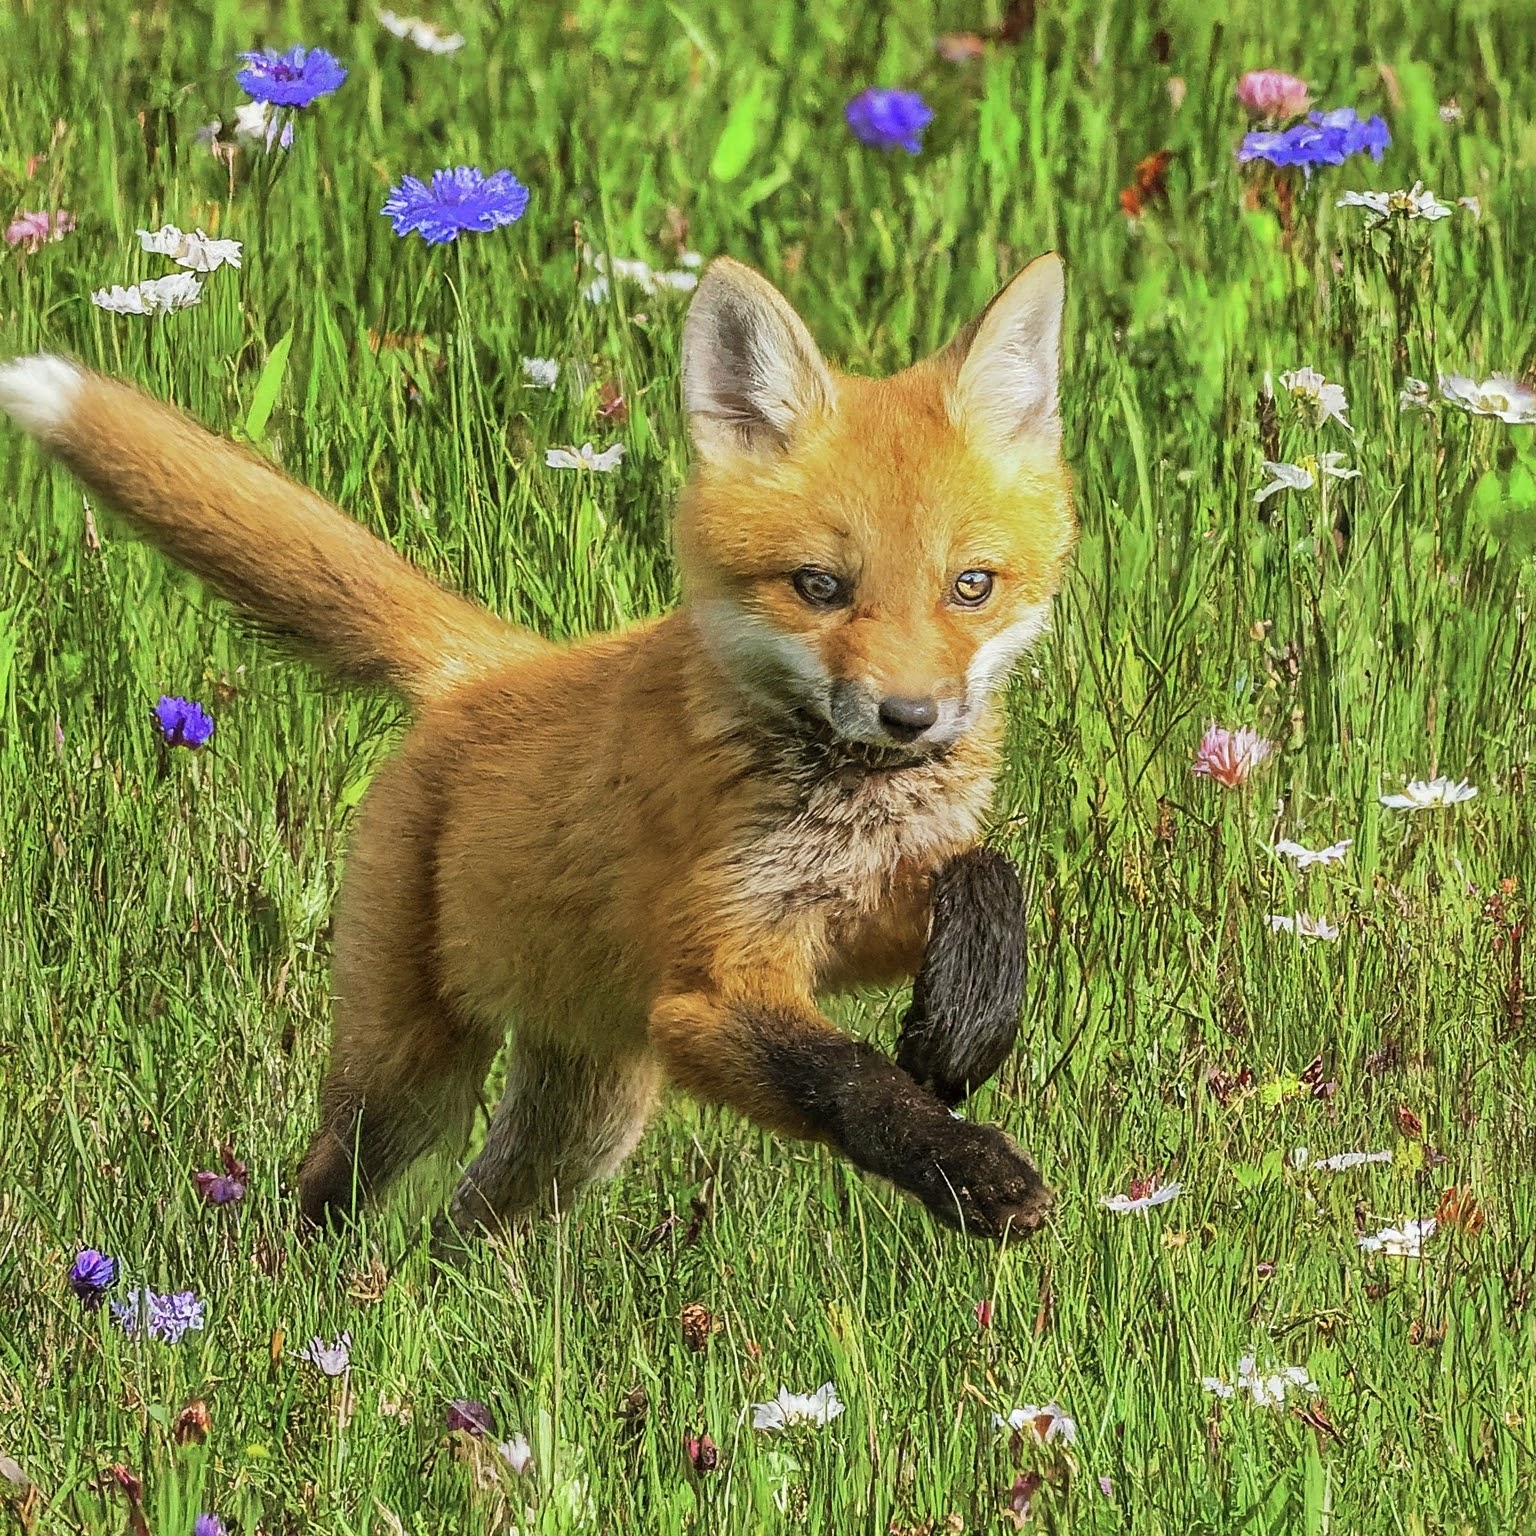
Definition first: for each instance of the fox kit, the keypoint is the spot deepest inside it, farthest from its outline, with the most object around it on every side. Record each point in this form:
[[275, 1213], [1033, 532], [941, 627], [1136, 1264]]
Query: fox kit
[[648, 852]]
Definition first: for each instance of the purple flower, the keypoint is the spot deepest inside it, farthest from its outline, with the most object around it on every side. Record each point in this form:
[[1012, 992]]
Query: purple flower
[[208, 1525], [223, 1188], [470, 1415], [182, 722], [462, 198], [167, 1316], [889, 119], [292, 79], [91, 1276], [331, 1359], [1325, 138]]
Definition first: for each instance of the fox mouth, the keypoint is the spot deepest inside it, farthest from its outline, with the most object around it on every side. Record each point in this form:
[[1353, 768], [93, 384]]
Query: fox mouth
[[814, 731]]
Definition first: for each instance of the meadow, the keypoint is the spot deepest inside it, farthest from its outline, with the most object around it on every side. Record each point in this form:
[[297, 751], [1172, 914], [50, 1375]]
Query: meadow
[[164, 911]]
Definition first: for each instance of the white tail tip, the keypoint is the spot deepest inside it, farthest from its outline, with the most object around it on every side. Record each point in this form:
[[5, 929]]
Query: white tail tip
[[39, 392]]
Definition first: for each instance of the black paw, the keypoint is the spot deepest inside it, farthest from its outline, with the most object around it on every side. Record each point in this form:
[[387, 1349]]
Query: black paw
[[984, 1185], [966, 1000]]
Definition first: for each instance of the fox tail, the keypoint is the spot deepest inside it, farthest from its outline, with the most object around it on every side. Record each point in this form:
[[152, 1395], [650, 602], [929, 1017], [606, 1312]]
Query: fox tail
[[300, 567]]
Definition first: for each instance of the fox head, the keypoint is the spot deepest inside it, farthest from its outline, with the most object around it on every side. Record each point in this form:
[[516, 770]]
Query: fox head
[[874, 554]]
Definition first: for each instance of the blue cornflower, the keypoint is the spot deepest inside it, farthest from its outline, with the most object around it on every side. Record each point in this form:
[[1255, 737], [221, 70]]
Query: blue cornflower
[[165, 1317], [1325, 138], [889, 119], [459, 199], [91, 1276], [209, 1525], [182, 722], [292, 79]]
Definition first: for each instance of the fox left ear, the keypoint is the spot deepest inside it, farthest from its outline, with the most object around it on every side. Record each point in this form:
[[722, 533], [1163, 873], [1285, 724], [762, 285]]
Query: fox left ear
[[1005, 390]]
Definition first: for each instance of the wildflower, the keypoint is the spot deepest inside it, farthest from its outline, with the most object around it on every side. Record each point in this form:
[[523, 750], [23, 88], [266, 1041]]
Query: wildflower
[[1274, 95], [223, 1188], [331, 1359], [1343, 1162], [1404, 1242], [886, 119], [1305, 858], [459, 199], [91, 1276], [1500, 396], [1230, 757], [192, 1424], [1325, 400], [293, 79], [1267, 1389], [195, 251], [1303, 476], [1421, 796], [1417, 204], [690, 259], [424, 34], [517, 1454], [1414, 395], [791, 1408], [1450, 112], [1473, 205], [632, 270], [960, 47], [258, 120], [541, 372], [1045, 1423], [1149, 184], [596, 292], [154, 296], [983, 1312], [35, 230], [209, 1525], [1303, 925], [702, 1452], [1144, 1194], [585, 458], [470, 1415], [1325, 138], [182, 722], [167, 1316]]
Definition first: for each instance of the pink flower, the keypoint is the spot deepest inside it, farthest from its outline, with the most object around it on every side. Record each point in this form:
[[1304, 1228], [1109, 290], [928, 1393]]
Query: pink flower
[[1230, 757], [1270, 93], [35, 230], [983, 1311]]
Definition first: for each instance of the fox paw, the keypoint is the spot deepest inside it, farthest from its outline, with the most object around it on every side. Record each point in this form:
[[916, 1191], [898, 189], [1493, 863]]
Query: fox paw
[[966, 999], [986, 1186]]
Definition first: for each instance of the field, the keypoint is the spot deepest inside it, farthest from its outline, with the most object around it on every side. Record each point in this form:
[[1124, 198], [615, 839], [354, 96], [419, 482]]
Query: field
[[164, 912]]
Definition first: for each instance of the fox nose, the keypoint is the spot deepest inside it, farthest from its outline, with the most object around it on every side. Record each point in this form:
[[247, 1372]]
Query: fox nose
[[907, 719]]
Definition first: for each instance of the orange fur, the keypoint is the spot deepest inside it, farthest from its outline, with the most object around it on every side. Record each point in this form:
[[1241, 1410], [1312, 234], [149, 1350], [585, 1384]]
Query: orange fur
[[636, 849]]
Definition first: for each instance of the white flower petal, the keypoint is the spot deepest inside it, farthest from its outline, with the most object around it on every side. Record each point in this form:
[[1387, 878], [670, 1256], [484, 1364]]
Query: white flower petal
[[1423, 796], [790, 1408], [541, 372], [1124, 1204], [1342, 1162], [1305, 858]]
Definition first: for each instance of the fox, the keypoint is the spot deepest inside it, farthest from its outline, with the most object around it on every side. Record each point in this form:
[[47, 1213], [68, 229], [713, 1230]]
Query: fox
[[646, 857]]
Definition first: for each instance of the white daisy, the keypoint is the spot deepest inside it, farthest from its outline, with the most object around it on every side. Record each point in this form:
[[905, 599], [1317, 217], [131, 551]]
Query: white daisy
[[1323, 399], [195, 251], [1303, 476], [596, 292], [1045, 1423], [1416, 204], [1305, 858], [1500, 396], [1422, 796], [425, 34], [541, 372], [585, 458], [260, 121], [1404, 1242], [1414, 396], [1303, 925], [1125, 1204], [791, 1408], [156, 296], [1342, 1162], [1267, 1389], [517, 1453]]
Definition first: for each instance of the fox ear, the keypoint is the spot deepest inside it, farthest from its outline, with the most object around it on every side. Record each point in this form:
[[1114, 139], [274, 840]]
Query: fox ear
[[751, 373], [1009, 362]]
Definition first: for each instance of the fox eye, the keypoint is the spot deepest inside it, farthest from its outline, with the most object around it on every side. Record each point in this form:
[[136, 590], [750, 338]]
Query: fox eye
[[821, 589], [973, 588]]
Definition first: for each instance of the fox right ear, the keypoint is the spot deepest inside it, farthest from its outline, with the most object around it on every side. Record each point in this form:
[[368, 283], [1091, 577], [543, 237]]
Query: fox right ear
[[751, 373]]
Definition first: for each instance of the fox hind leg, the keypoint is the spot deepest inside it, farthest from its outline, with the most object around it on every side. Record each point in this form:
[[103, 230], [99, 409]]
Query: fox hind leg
[[565, 1119]]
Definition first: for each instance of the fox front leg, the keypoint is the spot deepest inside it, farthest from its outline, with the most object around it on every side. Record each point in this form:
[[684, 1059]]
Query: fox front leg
[[969, 990]]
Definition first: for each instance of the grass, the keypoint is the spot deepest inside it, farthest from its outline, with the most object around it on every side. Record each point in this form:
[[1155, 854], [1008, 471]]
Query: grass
[[163, 934]]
